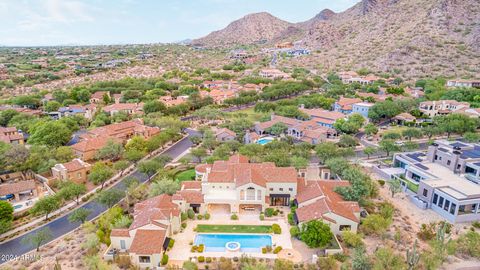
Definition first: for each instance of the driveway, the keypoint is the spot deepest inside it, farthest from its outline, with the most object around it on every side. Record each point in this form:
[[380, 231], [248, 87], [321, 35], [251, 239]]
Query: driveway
[[61, 226]]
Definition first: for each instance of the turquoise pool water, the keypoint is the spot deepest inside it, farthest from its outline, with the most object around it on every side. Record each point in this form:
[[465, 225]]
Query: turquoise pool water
[[264, 141], [248, 242]]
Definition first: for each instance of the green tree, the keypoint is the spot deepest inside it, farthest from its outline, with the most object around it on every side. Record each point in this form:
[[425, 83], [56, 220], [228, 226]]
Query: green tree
[[388, 146], [137, 143], [394, 186], [375, 224], [134, 155], [316, 234], [347, 141], [6, 216], [360, 260], [198, 153], [121, 166], [456, 123], [51, 133], [71, 190], [149, 167], [371, 129], [64, 154], [79, 215], [369, 150], [299, 162], [111, 151], [471, 137], [52, 106], [326, 150], [36, 239], [410, 133], [163, 186], [109, 197], [351, 125], [277, 129], [152, 106], [45, 206], [410, 146], [100, 173]]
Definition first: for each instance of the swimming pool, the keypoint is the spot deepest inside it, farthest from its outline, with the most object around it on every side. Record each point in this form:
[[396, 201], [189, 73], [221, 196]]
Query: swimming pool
[[264, 141], [247, 242]]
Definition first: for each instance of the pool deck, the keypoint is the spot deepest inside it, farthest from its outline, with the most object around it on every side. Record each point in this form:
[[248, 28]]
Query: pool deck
[[181, 249]]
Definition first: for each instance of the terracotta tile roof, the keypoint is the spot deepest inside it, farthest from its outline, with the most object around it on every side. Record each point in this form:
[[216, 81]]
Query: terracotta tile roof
[[277, 119], [157, 208], [190, 196], [123, 107], [343, 101], [75, 165], [120, 233], [99, 94], [328, 201], [148, 242], [20, 186], [238, 170], [191, 185], [202, 168], [92, 144]]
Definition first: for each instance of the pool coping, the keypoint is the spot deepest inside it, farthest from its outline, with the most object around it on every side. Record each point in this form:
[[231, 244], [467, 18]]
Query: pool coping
[[205, 251]]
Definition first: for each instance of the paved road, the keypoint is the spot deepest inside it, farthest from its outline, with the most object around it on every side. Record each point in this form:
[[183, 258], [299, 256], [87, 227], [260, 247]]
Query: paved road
[[62, 226]]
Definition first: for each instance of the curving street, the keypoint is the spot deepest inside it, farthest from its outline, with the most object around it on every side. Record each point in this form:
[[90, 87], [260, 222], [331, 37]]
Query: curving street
[[61, 226]]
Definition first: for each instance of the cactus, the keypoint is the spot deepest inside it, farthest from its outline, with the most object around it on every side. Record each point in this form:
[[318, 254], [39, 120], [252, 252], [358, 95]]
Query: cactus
[[413, 257]]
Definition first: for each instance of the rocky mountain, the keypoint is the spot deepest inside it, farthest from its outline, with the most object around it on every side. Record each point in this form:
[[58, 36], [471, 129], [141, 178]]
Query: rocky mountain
[[409, 37], [254, 28]]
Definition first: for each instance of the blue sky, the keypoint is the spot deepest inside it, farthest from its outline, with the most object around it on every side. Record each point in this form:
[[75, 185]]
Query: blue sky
[[63, 22]]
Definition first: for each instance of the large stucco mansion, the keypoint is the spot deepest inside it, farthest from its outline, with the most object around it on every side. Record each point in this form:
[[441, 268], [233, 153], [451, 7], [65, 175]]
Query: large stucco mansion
[[237, 186]]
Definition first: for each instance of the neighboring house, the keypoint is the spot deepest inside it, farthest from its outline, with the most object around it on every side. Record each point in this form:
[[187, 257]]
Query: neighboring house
[[169, 101], [97, 97], [87, 111], [345, 105], [225, 134], [273, 73], [442, 107], [447, 179], [76, 170], [11, 135], [219, 95], [464, 83], [317, 200], [298, 52], [18, 190], [362, 108], [322, 117], [86, 149], [250, 137], [147, 238], [363, 80], [405, 118], [117, 98], [128, 108]]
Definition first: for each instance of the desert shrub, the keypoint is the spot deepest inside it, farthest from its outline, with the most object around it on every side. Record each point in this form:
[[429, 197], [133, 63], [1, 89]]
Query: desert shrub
[[164, 259], [201, 248], [269, 212], [234, 217], [190, 213], [375, 224], [341, 257], [352, 239], [381, 182], [269, 249], [183, 216], [468, 244], [193, 249], [291, 220], [294, 231], [171, 243], [188, 265], [206, 216], [327, 263], [262, 217], [201, 259], [264, 250], [199, 217], [208, 259], [184, 225], [276, 229], [277, 249]]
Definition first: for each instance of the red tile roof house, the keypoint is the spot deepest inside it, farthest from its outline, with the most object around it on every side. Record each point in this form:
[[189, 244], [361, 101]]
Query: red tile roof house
[[318, 200], [97, 138], [154, 220], [76, 170], [11, 135], [128, 108], [97, 97], [20, 190], [345, 105]]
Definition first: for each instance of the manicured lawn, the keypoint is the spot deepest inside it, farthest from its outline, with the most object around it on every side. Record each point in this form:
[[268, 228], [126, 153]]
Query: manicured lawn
[[249, 114], [203, 228], [185, 175]]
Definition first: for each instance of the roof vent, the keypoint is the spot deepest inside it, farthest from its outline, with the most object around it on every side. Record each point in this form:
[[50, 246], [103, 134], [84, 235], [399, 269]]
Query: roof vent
[[457, 148], [457, 152]]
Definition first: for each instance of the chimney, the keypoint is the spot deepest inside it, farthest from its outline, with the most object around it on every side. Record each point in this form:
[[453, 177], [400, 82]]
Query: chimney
[[432, 151]]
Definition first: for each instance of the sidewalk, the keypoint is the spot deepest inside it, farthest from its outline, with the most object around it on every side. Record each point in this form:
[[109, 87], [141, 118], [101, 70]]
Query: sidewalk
[[73, 205]]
